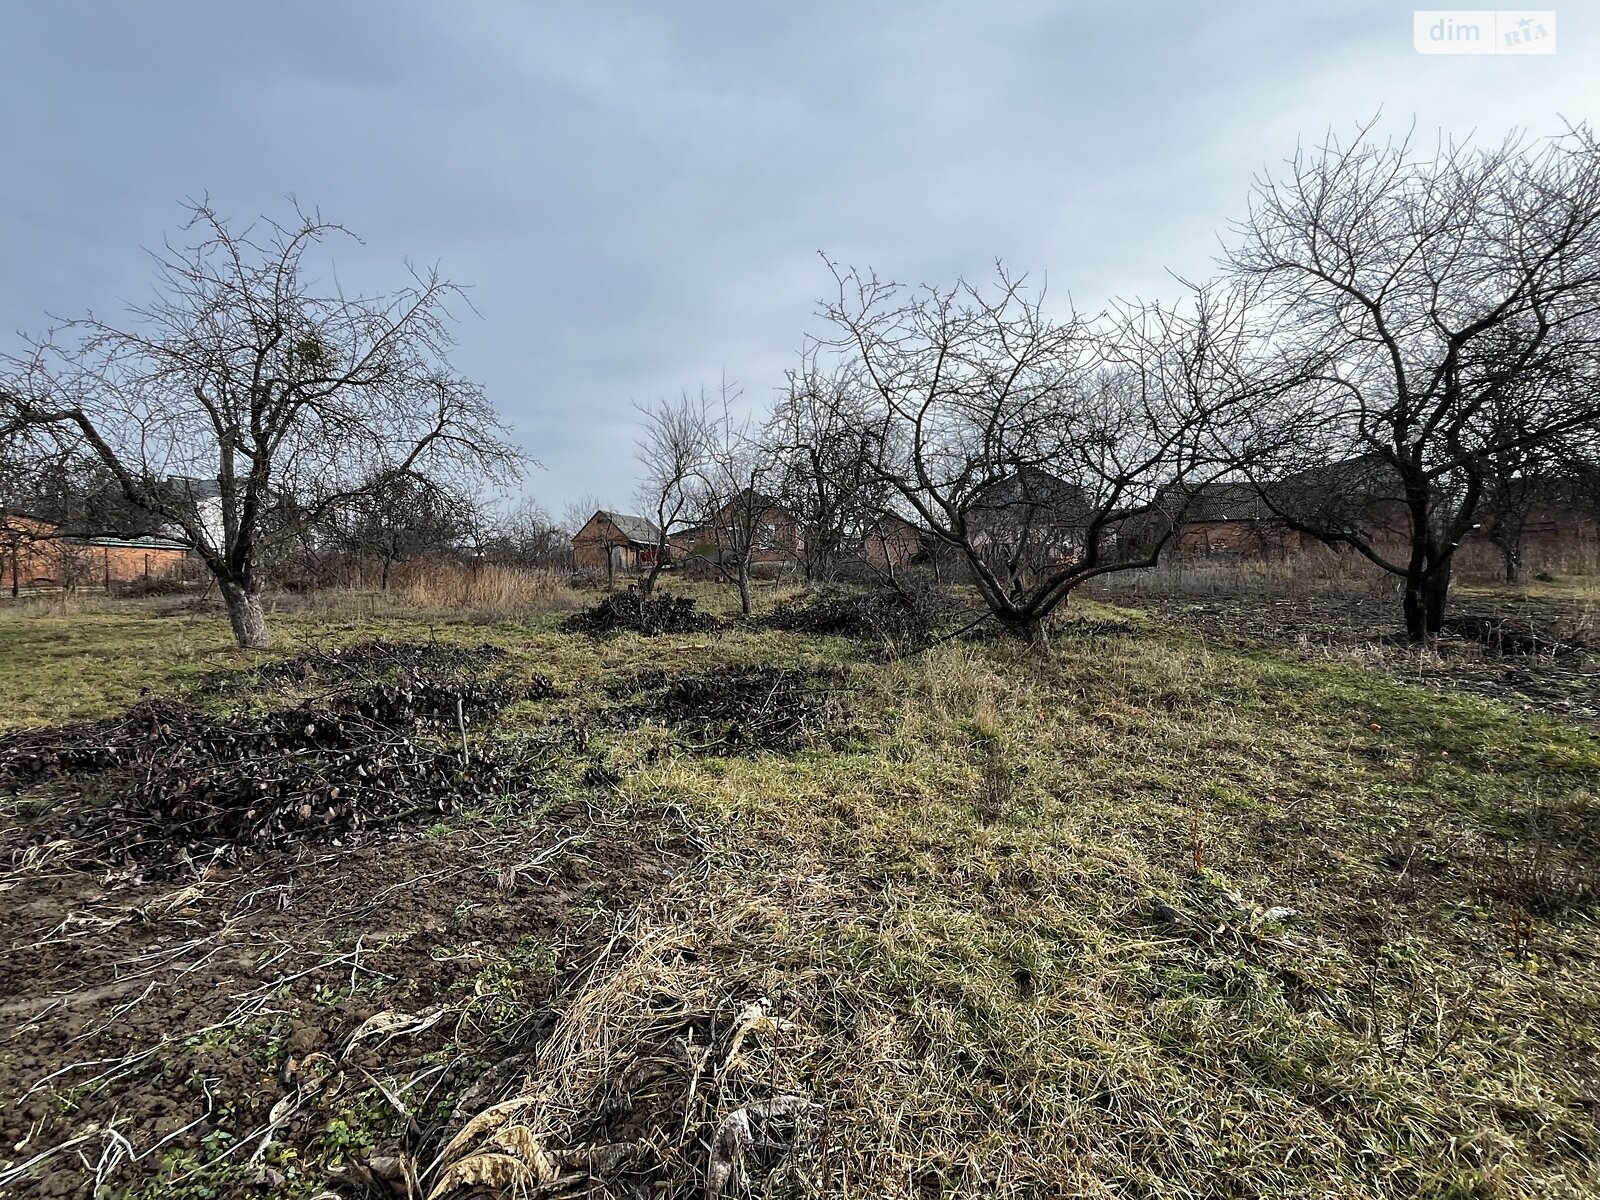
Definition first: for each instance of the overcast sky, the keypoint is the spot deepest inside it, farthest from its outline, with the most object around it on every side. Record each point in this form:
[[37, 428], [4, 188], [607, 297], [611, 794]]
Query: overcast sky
[[638, 192]]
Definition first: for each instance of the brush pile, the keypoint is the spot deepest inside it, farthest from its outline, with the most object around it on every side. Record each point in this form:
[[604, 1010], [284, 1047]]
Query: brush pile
[[1511, 636], [636, 613], [369, 660], [732, 710], [168, 782], [904, 619]]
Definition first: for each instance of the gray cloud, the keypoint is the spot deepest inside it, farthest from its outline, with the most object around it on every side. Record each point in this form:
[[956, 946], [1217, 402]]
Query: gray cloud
[[638, 191]]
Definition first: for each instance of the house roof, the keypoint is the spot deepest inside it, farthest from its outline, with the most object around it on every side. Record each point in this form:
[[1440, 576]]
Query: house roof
[[138, 543], [1030, 494], [1225, 501], [636, 529], [193, 488]]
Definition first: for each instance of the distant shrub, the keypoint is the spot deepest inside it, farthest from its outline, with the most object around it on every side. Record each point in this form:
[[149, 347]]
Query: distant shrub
[[153, 587]]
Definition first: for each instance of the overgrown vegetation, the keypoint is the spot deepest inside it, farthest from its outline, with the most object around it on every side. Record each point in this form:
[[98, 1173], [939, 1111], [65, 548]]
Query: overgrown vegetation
[[1162, 916], [897, 618], [169, 783]]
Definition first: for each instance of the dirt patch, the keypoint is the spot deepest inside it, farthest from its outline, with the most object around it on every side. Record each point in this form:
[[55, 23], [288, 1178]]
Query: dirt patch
[[296, 1026], [1518, 636], [632, 612], [904, 619], [733, 710]]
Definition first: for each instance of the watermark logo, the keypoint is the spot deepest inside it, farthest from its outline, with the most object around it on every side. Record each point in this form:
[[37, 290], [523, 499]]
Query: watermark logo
[[1484, 31]]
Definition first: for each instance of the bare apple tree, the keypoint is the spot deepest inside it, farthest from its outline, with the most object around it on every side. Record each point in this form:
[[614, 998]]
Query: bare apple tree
[[1426, 292], [733, 503], [672, 450], [248, 377], [1042, 450], [823, 449]]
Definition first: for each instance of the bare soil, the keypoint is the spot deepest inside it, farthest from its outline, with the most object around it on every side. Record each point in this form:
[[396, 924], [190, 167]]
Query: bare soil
[[222, 931], [176, 1015]]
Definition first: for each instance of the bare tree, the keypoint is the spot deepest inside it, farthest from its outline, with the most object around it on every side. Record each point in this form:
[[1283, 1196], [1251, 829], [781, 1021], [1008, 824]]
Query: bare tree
[[1042, 451], [1424, 291], [575, 514], [246, 378], [731, 495], [401, 517], [672, 453], [526, 535], [823, 447]]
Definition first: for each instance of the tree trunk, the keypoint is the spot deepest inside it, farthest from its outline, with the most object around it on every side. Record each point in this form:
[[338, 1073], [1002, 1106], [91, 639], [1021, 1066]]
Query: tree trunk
[[1511, 555], [1436, 591], [1415, 610], [245, 614], [1031, 630], [647, 585], [744, 588], [384, 581]]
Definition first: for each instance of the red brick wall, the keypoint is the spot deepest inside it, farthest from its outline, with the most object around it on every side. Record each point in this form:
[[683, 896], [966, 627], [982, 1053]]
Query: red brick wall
[[592, 545], [53, 562], [1237, 537]]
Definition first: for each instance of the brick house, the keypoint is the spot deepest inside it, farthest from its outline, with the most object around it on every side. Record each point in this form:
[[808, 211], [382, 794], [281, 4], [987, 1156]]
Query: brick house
[[891, 542], [1363, 496], [1028, 517], [34, 553], [1233, 519], [776, 535], [613, 541]]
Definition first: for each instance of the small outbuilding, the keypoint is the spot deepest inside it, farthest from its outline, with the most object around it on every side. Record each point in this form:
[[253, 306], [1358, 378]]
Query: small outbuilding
[[615, 542]]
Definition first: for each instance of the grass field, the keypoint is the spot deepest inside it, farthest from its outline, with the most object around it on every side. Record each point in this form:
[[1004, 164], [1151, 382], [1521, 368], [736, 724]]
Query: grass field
[[1161, 917]]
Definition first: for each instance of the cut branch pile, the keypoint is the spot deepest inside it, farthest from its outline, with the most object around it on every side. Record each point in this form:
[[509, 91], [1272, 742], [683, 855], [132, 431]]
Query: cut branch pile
[[903, 619], [179, 782], [370, 660], [733, 710], [650, 615]]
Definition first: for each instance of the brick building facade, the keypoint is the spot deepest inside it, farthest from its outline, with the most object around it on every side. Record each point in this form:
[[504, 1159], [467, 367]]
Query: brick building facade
[[35, 554]]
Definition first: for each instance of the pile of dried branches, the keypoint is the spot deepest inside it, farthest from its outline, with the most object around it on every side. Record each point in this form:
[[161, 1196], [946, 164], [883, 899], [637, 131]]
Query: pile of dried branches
[[903, 619], [368, 660], [169, 782], [732, 710], [1512, 636], [636, 613]]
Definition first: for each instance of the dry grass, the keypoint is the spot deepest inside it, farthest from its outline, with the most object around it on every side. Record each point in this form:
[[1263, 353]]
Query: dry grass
[[1310, 572], [1317, 571], [1096, 991], [448, 589], [1159, 919]]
